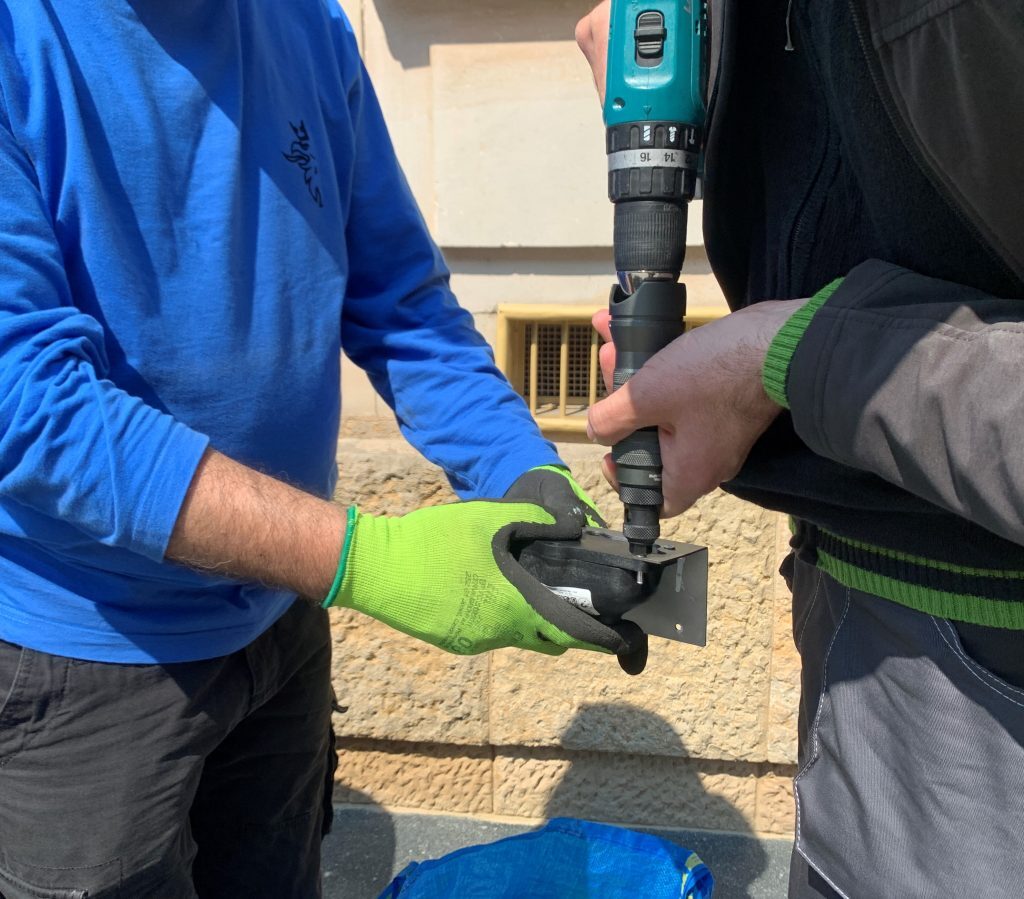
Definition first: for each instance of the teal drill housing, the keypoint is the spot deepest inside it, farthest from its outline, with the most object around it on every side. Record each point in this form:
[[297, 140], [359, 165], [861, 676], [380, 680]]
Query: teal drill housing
[[668, 83], [654, 116]]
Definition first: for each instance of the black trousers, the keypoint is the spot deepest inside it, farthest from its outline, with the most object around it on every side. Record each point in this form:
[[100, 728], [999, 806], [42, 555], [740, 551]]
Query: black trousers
[[206, 779], [911, 780]]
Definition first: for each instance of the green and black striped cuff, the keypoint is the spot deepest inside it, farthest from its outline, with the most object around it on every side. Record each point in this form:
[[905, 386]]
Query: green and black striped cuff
[[780, 354], [985, 596]]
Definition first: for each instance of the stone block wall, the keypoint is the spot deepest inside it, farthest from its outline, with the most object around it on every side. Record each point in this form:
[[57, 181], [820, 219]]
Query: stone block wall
[[703, 739]]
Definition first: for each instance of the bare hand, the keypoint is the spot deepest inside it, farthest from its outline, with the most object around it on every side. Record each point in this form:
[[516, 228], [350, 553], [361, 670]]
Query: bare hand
[[703, 392], [592, 36]]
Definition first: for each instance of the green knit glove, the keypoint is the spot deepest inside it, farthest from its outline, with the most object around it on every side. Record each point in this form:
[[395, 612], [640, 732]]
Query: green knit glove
[[448, 575], [555, 488]]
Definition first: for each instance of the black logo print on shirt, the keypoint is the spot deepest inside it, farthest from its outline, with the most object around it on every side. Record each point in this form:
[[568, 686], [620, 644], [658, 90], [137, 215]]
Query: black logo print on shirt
[[299, 154]]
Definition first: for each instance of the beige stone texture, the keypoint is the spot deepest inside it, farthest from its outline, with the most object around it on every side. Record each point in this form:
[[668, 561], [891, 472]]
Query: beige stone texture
[[705, 702], [776, 810], [385, 476], [702, 720], [627, 789], [395, 688], [422, 776], [544, 783], [356, 430], [784, 701]]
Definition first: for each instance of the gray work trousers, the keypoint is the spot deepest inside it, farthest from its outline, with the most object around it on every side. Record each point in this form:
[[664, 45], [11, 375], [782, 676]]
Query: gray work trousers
[[168, 781], [911, 778]]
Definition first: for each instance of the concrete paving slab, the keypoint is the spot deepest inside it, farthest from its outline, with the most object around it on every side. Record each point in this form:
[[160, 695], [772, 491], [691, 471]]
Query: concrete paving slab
[[368, 846]]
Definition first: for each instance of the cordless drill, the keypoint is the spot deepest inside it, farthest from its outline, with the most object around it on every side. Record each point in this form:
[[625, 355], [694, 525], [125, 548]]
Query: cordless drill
[[654, 115]]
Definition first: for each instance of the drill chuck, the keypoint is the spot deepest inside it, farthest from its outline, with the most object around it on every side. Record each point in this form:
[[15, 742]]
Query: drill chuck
[[643, 323], [652, 175]]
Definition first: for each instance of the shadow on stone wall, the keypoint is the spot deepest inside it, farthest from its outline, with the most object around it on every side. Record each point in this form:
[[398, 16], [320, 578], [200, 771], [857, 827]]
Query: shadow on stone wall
[[412, 26], [652, 793]]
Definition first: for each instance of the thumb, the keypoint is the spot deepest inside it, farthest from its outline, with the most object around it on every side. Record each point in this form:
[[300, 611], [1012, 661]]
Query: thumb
[[617, 416]]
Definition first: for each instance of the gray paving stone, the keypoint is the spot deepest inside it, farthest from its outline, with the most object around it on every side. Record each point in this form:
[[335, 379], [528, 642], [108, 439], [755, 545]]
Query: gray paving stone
[[369, 846]]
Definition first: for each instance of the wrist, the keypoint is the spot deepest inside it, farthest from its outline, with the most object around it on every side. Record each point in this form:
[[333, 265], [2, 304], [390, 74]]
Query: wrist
[[779, 357], [362, 539], [333, 594], [239, 523], [368, 577]]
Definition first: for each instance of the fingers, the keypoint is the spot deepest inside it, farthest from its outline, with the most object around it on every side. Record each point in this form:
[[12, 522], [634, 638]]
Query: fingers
[[633, 656], [606, 356], [631, 648], [591, 635], [546, 647], [619, 415], [592, 37], [601, 321], [646, 400], [609, 472]]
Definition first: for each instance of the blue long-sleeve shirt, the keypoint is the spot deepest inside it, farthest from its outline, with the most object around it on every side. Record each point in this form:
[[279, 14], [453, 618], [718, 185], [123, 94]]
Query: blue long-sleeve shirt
[[199, 207]]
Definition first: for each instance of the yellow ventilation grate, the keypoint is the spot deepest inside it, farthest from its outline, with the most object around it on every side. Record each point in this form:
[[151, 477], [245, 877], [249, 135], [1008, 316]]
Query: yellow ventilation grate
[[560, 348], [550, 356]]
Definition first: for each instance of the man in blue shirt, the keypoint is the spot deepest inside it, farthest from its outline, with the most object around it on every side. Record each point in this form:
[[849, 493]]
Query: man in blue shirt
[[199, 207]]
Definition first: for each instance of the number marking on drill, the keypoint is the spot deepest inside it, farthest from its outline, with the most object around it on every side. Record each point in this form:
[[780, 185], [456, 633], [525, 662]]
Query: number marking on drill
[[663, 159]]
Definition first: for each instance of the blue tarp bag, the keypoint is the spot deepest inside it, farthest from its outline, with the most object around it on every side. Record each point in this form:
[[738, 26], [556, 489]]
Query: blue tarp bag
[[566, 859]]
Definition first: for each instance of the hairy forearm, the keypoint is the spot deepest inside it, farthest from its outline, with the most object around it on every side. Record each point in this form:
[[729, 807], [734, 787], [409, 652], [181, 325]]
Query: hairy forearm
[[246, 525]]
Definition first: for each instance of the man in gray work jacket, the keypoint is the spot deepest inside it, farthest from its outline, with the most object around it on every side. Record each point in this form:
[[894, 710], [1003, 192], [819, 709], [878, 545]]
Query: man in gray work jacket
[[872, 149]]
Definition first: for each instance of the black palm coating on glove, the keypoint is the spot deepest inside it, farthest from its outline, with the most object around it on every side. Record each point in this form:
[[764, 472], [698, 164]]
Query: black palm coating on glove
[[553, 491]]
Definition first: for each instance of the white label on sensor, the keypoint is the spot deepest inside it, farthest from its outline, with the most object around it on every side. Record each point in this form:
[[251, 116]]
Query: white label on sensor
[[577, 596]]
